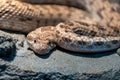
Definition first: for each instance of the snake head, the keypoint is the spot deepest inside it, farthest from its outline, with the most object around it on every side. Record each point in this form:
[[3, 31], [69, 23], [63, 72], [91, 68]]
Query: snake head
[[39, 43]]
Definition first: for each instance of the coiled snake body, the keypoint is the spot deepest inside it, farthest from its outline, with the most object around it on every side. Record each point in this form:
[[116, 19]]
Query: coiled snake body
[[75, 34]]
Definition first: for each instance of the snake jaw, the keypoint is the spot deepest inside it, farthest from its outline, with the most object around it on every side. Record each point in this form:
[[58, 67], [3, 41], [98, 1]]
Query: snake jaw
[[46, 49]]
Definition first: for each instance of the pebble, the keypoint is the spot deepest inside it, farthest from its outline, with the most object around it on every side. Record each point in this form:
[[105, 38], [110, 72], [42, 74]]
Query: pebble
[[118, 51]]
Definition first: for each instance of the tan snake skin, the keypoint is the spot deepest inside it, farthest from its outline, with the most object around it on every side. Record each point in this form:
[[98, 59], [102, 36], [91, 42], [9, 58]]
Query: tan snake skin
[[74, 35], [24, 17]]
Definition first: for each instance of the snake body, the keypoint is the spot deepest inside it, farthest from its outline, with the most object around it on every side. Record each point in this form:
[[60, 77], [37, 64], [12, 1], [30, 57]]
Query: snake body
[[24, 17], [73, 34]]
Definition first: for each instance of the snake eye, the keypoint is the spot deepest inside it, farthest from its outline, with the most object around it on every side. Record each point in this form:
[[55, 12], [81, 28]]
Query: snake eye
[[35, 41]]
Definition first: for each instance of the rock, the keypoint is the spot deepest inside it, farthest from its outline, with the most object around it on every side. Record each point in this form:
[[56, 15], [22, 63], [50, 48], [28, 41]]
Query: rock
[[7, 45], [13, 73], [118, 51], [24, 64]]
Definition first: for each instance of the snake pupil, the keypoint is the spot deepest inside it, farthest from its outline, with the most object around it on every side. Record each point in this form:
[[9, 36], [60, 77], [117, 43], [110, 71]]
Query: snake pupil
[[35, 41]]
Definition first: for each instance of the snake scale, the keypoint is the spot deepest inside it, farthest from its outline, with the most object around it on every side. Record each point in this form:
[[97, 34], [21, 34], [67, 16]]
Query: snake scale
[[74, 30]]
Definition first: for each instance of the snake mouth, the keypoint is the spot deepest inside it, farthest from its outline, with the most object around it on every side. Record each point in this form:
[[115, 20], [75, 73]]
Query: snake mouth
[[37, 50], [42, 50]]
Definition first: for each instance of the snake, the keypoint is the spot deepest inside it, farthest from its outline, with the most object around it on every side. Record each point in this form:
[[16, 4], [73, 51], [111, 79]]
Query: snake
[[64, 23]]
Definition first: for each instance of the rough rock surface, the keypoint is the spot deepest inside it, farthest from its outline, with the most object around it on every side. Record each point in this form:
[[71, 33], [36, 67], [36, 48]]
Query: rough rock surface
[[23, 64]]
